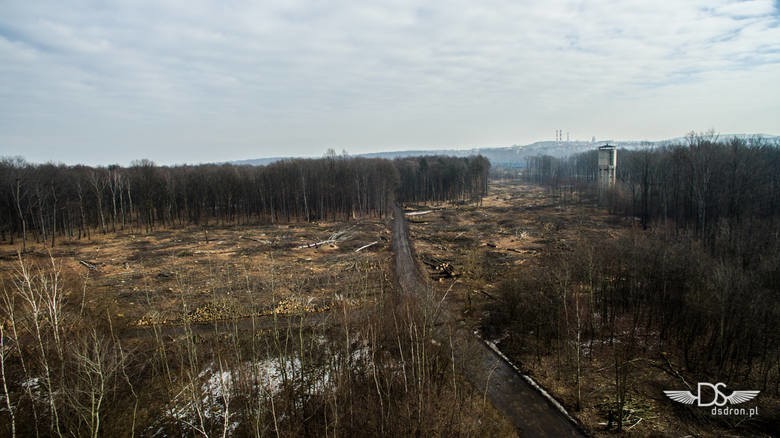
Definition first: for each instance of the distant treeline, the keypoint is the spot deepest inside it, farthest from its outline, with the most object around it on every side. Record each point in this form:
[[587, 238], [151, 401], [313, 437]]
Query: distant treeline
[[48, 201], [704, 185], [442, 179]]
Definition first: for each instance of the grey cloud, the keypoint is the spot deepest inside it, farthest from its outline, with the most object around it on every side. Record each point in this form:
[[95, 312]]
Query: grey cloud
[[178, 81]]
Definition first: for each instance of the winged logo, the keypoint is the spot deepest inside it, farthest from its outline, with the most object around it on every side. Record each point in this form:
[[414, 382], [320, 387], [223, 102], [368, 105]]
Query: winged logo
[[720, 399]]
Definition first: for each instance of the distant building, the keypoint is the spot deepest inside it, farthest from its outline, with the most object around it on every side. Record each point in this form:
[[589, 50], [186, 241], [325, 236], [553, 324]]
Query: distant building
[[607, 166]]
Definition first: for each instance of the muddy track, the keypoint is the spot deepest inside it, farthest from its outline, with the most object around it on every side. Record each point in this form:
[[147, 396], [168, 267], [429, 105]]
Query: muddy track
[[525, 405]]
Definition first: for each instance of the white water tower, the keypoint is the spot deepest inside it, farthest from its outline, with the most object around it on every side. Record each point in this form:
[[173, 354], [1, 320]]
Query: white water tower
[[607, 166]]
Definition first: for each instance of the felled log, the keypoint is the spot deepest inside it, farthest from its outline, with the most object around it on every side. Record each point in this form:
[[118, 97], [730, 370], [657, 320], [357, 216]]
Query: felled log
[[367, 246], [89, 265], [418, 213]]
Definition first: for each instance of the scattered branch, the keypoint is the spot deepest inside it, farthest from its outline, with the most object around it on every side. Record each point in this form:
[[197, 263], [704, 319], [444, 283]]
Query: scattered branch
[[316, 244], [485, 294], [335, 237], [266, 242]]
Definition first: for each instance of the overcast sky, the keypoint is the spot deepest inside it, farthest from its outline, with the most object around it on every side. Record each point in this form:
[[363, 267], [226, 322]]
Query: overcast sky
[[191, 81]]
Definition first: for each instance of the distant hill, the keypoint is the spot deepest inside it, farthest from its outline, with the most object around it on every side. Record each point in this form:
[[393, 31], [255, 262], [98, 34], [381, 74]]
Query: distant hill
[[514, 156], [259, 161]]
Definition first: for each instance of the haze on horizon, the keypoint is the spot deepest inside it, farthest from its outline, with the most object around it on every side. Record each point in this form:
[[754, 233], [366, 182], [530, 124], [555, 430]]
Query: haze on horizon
[[176, 82]]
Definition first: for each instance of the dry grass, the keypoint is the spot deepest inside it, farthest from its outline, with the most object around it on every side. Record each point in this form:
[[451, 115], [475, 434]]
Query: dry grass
[[513, 226], [145, 279]]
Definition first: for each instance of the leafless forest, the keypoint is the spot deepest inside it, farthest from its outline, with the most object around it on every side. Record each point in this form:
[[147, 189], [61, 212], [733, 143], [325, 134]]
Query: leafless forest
[[47, 202]]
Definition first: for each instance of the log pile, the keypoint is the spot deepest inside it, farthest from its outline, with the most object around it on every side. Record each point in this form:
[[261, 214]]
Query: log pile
[[440, 268]]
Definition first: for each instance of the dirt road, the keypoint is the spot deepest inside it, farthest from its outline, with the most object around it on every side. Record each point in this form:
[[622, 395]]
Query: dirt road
[[509, 391]]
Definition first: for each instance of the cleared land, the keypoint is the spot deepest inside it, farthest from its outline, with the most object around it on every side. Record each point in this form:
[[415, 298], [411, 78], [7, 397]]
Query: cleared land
[[229, 330], [518, 232], [201, 275], [526, 408]]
